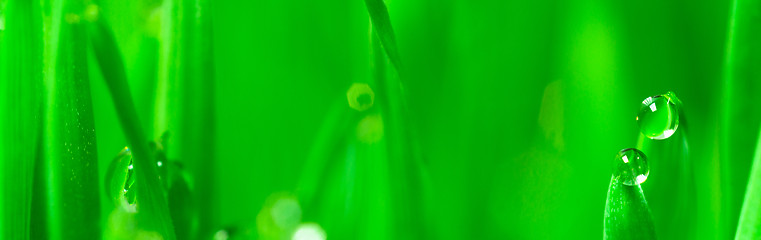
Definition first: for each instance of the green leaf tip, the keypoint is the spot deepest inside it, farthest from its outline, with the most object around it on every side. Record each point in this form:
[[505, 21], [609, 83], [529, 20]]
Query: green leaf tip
[[627, 215]]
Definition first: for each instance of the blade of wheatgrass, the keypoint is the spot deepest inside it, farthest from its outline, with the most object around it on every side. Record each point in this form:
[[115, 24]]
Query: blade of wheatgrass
[[331, 135], [749, 224], [382, 28], [627, 215], [153, 213], [185, 104], [672, 188], [71, 160], [21, 99], [405, 157], [197, 132], [740, 114]]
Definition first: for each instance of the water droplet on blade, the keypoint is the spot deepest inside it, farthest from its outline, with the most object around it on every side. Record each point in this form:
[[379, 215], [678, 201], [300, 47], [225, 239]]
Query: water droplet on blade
[[361, 97], [631, 167], [120, 180], [658, 117]]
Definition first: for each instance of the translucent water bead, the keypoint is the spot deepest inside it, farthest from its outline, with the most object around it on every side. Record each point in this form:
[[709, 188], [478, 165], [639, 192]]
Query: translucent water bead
[[120, 178], [631, 166], [658, 117]]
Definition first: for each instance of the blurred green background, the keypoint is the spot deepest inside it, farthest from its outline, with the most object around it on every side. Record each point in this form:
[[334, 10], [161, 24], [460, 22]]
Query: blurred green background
[[512, 113]]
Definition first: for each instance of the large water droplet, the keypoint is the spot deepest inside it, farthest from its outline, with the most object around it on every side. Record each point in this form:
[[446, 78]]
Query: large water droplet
[[658, 116], [631, 166], [120, 179]]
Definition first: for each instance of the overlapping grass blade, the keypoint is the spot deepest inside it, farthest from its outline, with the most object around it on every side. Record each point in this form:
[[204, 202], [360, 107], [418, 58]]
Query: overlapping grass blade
[[749, 225], [382, 28], [153, 213], [20, 100]]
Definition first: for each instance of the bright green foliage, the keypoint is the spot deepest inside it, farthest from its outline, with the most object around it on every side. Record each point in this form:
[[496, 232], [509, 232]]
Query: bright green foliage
[[21, 95], [503, 127]]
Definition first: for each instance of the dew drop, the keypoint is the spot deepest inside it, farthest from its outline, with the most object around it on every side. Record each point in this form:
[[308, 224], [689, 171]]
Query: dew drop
[[120, 180], [631, 166], [361, 97], [658, 116]]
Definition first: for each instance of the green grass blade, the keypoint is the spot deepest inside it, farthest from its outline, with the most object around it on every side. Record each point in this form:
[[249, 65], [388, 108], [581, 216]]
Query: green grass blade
[[21, 99], [331, 135], [749, 225], [740, 114], [671, 184], [197, 131], [382, 28], [153, 213], [627, 215], [185, 103], [71, 159]]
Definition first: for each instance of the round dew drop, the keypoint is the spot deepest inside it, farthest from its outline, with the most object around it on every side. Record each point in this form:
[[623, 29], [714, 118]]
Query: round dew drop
[[658, 117], [360, 96], [631, 166]]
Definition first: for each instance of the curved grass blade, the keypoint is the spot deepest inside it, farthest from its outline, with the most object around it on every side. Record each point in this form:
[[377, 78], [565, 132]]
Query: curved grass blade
[[71, 160], [673, 189], [740, 113], [21, 100], [382, 28], [627, 215], [749, 225], [404, 155], [331, 134], [153, 213]]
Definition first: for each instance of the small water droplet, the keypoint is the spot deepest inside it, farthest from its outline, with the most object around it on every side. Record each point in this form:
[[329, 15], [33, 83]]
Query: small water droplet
[[631, 166], [658, 116], [361, 97]]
